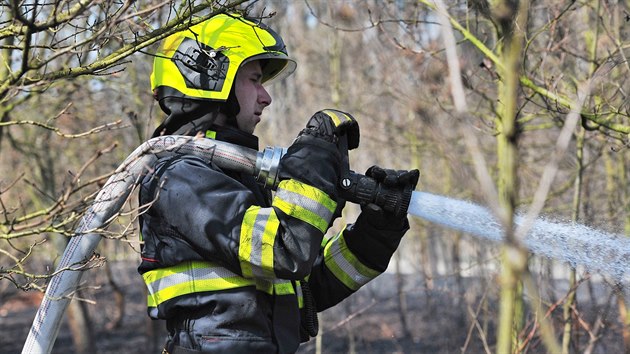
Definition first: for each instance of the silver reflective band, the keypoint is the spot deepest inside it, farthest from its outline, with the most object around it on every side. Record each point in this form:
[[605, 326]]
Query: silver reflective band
[[258, 244], [305, 202], [337, 256], [194, 274]]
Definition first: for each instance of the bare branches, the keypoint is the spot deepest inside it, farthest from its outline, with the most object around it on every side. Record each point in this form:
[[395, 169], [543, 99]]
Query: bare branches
[[558, 99], [57, 41], [57, 130]]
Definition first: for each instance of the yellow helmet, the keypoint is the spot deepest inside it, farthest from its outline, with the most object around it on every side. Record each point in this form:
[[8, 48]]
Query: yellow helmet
[[201, 62]]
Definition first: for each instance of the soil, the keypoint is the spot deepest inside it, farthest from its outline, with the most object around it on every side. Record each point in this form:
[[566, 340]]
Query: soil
[[434, 321]]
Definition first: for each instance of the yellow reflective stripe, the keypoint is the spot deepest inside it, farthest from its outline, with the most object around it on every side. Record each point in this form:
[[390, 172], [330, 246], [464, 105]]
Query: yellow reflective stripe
[[302, 214], [187, 278], [346, 266], [211, 134], [338, 117], [191, 287], [196, 276], [245, 244], [305, 203], [268, 240], [283, 287], [275, 287], [318, 201], [300, 296], [258, 235]]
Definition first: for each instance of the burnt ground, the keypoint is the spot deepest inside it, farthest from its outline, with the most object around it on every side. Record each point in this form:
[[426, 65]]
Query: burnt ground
[[437, 321]]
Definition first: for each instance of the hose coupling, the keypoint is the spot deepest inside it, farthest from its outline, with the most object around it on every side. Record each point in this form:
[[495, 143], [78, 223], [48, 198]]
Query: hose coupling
[[267, 166]]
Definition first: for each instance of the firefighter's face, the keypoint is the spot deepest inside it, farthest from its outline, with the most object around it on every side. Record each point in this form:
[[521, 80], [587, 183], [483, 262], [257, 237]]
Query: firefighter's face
[[251, 95]]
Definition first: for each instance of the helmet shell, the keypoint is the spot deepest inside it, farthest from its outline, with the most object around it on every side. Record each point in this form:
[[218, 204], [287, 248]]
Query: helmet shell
[[201, 62]]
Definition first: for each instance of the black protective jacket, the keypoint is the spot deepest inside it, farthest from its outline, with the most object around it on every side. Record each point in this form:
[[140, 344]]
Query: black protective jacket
[[233, 269]]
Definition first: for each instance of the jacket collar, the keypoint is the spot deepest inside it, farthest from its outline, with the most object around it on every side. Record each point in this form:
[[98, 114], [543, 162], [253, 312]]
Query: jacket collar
[[232, 135]]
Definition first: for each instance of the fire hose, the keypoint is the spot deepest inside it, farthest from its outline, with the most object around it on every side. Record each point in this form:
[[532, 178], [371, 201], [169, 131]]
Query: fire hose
[[264, 165]]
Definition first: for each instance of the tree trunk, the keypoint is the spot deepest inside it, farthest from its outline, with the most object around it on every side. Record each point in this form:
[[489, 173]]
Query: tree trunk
[[514, 256]]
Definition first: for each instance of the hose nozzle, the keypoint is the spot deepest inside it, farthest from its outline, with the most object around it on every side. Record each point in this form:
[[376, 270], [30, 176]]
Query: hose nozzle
[[361, 189]]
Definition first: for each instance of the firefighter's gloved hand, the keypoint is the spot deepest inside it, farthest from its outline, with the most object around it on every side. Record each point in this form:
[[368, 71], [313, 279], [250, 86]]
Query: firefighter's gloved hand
[[393, 179], [376, 234], [330, 124], [314, 157]]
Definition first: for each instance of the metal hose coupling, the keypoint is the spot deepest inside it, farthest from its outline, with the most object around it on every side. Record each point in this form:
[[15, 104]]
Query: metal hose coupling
[[268, 166]]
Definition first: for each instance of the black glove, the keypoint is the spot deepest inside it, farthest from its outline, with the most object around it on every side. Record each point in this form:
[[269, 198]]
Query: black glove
[[331, 124], [397, 179], [314, 157], [376, 234]]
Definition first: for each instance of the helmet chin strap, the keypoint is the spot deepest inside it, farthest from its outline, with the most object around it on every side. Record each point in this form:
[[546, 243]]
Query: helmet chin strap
[[231, 108]]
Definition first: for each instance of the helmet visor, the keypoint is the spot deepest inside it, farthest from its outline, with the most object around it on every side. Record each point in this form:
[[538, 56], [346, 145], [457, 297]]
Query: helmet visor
[[275, 67]]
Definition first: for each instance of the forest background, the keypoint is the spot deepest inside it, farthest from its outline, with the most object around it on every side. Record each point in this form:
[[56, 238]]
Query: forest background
[[514, 105]]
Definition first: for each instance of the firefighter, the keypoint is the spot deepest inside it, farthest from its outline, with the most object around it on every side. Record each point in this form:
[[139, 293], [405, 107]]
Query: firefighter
[[231, 268]]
